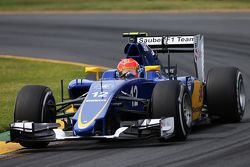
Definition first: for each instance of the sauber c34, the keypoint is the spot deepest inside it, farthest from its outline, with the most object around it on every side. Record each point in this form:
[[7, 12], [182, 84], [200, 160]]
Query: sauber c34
[[158, 103]]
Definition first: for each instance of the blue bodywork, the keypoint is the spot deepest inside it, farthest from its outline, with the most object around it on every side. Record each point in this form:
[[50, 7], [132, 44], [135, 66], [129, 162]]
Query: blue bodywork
[[98, 106]]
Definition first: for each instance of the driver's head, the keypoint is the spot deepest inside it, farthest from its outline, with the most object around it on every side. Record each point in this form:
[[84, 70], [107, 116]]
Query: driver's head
[[126, 66]]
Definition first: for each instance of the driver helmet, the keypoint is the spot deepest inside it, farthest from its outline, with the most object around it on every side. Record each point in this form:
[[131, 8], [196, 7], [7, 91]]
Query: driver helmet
[[128, 66]]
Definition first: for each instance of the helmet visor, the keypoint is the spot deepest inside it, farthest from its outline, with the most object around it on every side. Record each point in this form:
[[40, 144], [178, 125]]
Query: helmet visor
[[132, 71]]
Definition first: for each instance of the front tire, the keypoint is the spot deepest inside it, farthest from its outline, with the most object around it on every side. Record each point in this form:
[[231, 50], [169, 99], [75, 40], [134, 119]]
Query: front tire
[[35, 103], [225, 95], [171, 99]]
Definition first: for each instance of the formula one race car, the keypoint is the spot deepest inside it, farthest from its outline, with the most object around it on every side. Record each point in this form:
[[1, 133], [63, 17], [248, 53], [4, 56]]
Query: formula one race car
[[156, 103]]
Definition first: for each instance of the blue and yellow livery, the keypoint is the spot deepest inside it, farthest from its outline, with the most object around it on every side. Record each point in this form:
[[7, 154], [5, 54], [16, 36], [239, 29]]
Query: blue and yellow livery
[[113, 106]]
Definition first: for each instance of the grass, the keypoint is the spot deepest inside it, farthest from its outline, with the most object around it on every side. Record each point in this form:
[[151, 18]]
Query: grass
[[14, 74], [123, 5]]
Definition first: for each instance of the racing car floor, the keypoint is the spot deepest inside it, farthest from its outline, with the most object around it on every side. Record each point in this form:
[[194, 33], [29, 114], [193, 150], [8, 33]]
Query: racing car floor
[[96, 39]]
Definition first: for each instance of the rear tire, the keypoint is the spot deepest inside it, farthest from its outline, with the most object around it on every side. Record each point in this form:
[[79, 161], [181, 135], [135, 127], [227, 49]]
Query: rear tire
[[35, 103], [225, 95], [171, 99]]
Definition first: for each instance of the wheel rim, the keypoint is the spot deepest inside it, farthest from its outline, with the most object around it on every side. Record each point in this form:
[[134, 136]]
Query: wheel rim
[[241, 96], [51, 109], [187, 111], [48, 108]]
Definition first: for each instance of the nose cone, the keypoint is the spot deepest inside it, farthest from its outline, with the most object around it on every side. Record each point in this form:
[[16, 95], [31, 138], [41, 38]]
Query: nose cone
[[95, 106], [89, 112]]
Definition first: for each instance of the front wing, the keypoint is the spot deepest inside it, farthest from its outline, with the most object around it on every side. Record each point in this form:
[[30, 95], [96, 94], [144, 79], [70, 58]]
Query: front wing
[[30, 131]]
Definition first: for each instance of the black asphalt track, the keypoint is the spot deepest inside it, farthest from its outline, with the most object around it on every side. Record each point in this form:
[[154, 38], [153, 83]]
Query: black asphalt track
[[96, 39]]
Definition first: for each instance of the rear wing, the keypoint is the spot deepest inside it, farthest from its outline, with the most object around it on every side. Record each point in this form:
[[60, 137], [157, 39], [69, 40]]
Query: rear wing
[[175, 44]]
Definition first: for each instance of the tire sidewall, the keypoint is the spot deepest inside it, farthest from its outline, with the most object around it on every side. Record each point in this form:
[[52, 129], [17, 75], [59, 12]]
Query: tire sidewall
[[223, 95], [186, 128], [40, 111], [48, 113], [241, 109], [171, 105], [32, 105]]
